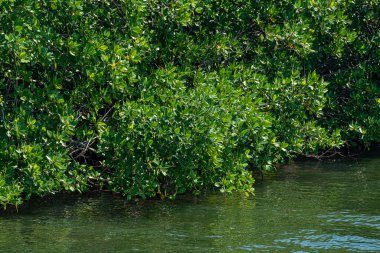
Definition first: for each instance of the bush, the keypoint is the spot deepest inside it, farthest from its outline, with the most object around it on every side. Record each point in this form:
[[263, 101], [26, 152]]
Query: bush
[[164, 97]]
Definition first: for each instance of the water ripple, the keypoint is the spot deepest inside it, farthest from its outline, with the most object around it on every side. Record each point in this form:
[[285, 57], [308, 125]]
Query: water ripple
[[334, 241]]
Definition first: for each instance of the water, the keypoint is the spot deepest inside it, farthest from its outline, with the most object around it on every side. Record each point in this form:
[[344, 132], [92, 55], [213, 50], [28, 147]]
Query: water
[[306, 207]]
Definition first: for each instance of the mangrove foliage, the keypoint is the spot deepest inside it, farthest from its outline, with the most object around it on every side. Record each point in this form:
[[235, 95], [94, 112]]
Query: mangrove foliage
[[161, 97]]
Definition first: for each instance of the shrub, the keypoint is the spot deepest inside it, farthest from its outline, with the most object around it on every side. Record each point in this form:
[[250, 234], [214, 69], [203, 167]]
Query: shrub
[[163, 97]]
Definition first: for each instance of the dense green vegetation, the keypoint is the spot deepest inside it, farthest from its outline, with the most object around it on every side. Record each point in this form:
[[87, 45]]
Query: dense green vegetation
[[148, 97]]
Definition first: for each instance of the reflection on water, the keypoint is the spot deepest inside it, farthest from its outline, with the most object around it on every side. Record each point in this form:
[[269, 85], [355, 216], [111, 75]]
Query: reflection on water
[[306, 207]]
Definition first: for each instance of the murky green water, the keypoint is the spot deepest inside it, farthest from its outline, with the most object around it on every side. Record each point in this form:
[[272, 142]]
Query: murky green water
[[307, 207]]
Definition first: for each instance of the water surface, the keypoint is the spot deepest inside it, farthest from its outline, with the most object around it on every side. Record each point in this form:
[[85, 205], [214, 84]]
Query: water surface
[[305, 207]]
